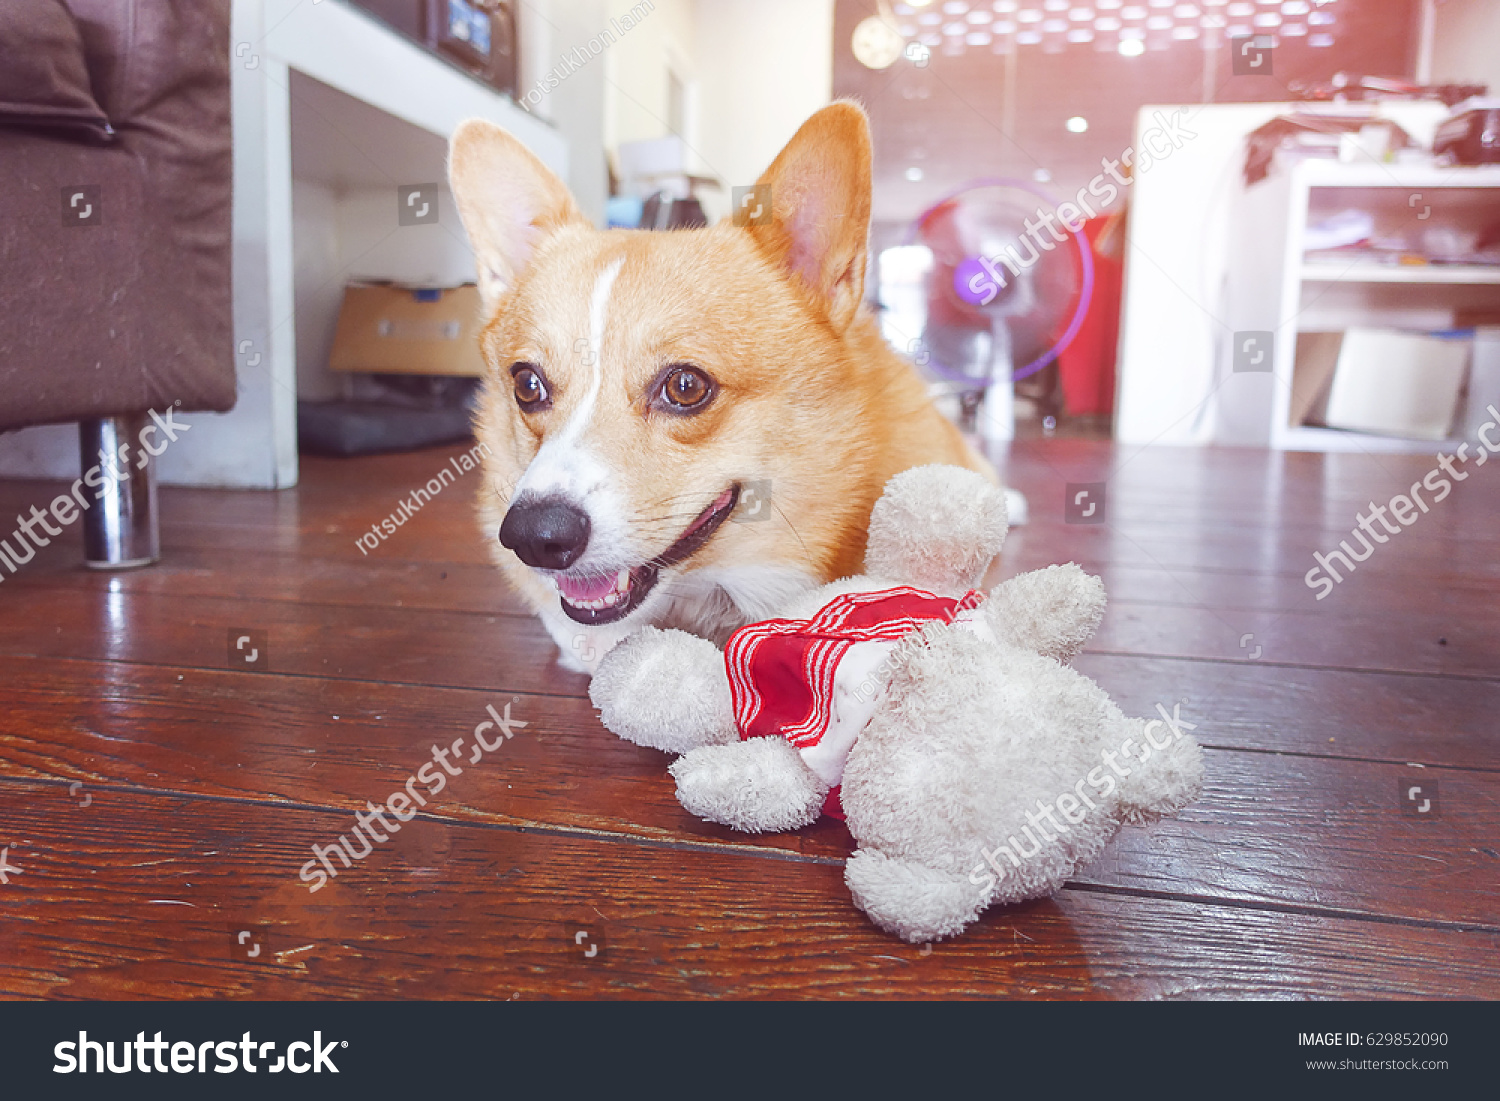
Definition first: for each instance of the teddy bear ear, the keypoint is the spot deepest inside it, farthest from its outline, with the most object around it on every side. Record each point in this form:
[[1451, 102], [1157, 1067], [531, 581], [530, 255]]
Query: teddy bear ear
[[937, 528]]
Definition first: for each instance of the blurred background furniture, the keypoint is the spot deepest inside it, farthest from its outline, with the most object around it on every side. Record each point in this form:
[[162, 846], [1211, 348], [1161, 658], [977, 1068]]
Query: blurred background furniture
[[115, 234]]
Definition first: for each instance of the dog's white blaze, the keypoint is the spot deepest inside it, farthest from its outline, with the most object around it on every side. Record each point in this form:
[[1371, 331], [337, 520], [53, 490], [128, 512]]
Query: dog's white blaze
[[565, 465], [562, 464], [598, 311]]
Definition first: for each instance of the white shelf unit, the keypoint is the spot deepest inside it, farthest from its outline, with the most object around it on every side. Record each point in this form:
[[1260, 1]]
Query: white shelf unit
[[1271, 286]]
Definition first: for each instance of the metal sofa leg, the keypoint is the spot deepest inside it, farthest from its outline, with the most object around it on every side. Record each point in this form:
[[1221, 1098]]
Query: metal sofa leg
[[120, 526]]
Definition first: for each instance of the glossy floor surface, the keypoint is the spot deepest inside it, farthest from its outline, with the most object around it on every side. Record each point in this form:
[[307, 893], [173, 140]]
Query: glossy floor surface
[[159, 792]]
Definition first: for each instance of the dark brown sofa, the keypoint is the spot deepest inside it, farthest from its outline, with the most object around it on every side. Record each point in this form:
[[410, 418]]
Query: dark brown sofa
[[115, 218]]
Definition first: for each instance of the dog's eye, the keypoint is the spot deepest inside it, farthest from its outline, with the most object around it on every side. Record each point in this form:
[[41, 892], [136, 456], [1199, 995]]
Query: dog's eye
[[531, 388], [686, 389]]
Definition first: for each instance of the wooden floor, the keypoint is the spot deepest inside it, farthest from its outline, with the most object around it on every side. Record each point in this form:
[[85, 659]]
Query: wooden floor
[[159, 801]]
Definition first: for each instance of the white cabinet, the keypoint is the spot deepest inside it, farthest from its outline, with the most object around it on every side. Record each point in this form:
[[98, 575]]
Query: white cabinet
[[1273, 286]]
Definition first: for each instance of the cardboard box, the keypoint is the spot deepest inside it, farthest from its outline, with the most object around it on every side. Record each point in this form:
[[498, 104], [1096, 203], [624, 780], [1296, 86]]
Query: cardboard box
[[390, 328], [1312, 376], [1397, 384]]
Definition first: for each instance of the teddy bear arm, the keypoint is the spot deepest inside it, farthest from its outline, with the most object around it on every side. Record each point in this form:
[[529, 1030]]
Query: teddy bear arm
[[1052, 611], [665, 689], [759, 786]]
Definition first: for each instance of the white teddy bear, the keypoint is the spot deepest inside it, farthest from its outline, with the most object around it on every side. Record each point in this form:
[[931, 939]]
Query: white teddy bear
[[971, 765]]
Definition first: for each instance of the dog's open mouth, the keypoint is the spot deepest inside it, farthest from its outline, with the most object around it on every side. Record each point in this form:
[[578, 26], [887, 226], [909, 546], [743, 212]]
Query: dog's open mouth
[[594, 600]]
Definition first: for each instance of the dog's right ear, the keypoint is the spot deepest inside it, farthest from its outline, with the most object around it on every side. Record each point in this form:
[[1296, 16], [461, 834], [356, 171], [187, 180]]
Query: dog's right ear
[[508, 201]]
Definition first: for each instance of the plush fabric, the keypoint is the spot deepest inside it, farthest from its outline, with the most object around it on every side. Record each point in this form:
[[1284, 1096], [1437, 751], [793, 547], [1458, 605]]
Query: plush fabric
[[44, 77]]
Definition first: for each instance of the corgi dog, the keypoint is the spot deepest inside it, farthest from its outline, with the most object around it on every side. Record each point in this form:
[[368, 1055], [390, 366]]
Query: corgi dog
[[684, 428]]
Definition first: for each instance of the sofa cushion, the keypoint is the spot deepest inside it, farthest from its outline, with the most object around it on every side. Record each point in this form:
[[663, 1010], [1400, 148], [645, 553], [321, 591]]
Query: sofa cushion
[[45, 80]]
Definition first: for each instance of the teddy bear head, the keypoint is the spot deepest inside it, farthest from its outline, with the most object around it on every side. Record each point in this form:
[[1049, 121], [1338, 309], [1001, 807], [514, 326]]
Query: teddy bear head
[[937, 528]]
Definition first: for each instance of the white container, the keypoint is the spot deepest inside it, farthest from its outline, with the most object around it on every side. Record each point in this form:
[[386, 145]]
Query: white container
[[1397, 384]]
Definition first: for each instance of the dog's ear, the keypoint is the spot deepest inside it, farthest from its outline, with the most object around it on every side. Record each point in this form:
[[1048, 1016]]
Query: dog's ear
[[819, 225], [508, 200]]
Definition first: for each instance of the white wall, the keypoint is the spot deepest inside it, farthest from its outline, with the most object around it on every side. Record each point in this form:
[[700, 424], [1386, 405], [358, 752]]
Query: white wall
[[1466, 42], [753, 71], [766, 65], [551, 30]]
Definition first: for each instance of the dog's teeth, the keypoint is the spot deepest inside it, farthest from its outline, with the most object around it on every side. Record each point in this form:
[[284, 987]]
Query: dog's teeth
[[622, 581]]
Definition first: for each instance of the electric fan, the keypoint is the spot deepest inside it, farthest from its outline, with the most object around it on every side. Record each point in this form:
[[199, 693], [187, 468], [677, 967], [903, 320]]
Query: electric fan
[[986, 290]]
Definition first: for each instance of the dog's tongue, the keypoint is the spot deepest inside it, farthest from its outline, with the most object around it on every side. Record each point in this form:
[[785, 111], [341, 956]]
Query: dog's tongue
[[579, 589]]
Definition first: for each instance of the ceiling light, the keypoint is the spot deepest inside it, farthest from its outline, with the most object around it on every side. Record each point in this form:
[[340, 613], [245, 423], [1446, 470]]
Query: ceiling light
[[1081, 15], [953, 30], [1320, 19], [1135, 11], [979, 18], [1184, 34], [955, 7], [1295, 7], [1268, 19], [1131, 47], [1292, 30], [1005, 7], [1159, 22], [1320, 41], [1028, 38], [876, 43], [1080, 34], [1077, 124], [977, 38], [1107, 5], [1004, 26], [1054, 26], [1186, 11], [1029, 15], [914, 174]]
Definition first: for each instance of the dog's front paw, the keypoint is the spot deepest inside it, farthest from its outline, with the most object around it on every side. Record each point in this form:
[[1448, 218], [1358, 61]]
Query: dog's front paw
[[665, 689]]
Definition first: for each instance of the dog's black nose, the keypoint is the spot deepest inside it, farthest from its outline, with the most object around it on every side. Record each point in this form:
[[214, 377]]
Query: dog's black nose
[[546, 532]]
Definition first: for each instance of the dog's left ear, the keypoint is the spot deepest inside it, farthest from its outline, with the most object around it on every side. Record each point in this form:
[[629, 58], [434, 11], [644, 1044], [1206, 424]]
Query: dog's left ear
[[819, 225]]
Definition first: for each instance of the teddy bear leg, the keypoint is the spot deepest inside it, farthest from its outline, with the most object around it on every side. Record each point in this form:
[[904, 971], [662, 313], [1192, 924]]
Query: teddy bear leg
[[759, 786], [915, 902], [665, 690], [1168, 779]]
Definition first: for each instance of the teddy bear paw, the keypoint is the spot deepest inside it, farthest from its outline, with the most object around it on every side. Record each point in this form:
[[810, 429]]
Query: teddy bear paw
[[913, 901], [665, 690], [758, 786]]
